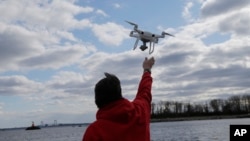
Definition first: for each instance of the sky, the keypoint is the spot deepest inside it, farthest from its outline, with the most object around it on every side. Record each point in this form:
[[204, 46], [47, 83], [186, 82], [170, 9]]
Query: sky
[[52, 53]]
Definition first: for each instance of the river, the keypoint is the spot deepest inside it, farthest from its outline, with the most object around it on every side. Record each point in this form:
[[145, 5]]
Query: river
[[199, 130]]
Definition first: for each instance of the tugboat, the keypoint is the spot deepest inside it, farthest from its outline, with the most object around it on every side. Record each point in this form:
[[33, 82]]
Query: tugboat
[[33, 127]]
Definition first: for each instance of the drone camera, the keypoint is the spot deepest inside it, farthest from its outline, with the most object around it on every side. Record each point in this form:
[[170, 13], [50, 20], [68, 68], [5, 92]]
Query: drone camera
[[142, 47]]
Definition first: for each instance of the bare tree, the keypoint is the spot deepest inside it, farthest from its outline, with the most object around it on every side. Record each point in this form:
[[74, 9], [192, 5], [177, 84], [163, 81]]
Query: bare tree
[[214, 105], [246, 103], [235, 104], [178, 107], [152, 108]]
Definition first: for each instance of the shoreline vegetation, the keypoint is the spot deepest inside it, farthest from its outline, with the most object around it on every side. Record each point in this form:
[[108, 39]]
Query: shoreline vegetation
[[214, 117], [234, 107]]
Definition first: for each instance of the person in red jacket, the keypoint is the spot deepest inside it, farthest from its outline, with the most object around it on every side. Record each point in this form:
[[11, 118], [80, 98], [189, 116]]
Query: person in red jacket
[[118, 119]]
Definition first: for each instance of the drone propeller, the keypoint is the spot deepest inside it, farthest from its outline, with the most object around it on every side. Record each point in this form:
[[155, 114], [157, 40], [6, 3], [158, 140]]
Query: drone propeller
[[136, 26], [165, 33]]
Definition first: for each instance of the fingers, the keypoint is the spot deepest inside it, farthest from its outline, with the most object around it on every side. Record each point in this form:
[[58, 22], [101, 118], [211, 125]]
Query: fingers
[[152, 60]]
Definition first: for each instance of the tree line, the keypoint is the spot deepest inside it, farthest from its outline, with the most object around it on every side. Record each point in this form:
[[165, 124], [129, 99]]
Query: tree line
[[234, 105]]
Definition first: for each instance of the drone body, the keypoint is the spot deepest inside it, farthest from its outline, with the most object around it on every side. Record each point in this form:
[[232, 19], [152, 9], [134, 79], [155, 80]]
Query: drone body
[[145, 37]]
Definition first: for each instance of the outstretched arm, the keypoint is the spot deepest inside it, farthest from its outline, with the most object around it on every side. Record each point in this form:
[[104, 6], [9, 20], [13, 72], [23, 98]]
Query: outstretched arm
[[143, 96], [144, 90]]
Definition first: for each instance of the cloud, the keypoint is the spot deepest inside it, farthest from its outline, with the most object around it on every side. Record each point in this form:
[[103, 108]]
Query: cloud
[[55, 57], [116, 63], [215, 7], [71, 83], [18, 85], [16, 43], [38, 36], [186, 12], [110, 33], [101, 12], [1, 108], [126, 65], [116, 5], [44, 14], [22, 48], [186, 68], [236, 23], [182, 61]]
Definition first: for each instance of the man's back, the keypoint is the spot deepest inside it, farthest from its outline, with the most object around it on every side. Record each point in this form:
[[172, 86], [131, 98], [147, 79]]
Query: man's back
[[124, 120]]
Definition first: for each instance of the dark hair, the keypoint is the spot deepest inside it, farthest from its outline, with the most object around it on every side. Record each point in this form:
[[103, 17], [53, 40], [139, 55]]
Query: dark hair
[[107, 90]]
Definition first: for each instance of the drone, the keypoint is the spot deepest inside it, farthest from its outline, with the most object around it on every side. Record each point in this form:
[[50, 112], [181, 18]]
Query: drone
[[145, 37]]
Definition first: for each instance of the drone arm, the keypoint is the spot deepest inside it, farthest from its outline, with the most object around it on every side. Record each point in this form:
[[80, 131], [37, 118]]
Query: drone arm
[[159, 36], [151, 49], [136, 43], [163, 35], [133, 34]]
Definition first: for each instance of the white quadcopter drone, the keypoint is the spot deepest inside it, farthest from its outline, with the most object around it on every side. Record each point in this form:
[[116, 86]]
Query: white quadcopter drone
[[145, 37]]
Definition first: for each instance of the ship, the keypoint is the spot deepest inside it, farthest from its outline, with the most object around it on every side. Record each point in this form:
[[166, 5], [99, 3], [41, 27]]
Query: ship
[[33, 127]]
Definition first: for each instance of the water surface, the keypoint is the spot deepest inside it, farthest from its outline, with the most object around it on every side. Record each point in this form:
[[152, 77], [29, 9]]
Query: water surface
[[201, 130]]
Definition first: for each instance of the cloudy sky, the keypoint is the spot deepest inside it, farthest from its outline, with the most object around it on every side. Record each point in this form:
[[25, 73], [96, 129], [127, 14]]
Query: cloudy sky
[[52, 52]]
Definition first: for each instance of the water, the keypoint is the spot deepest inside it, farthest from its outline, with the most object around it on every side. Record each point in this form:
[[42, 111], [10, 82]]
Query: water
[[45, 134], [203, 130]]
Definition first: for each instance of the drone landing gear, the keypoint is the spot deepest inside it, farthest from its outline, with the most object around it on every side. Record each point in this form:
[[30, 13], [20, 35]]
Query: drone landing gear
[[144, 47]]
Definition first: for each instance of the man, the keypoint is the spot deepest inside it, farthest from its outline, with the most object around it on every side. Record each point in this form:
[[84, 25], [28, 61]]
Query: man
[[118, 119]]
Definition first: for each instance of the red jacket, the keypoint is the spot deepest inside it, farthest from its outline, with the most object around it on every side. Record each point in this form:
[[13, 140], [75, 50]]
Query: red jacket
[[123, 120]]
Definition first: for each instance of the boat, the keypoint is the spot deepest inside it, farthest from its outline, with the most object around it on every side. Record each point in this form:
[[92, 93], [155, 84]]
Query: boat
[[33, 127]]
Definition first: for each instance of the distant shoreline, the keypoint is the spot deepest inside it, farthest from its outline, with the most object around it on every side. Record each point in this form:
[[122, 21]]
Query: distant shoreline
[[152, 121], [51, 126], [200, 118]]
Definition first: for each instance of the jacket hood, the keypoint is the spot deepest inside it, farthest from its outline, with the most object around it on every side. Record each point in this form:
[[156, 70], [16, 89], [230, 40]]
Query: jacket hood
[[118, 111]]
